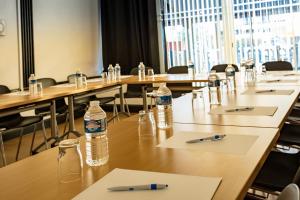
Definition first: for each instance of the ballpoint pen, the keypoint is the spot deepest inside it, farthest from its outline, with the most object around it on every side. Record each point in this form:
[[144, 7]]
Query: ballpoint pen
[[264, 91], [240, 109], [289, 75], [272, 81], [211, 138], [152, 186]]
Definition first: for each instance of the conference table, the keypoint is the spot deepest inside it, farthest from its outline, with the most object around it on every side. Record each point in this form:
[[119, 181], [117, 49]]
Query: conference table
[[36, 177], [189, 109]]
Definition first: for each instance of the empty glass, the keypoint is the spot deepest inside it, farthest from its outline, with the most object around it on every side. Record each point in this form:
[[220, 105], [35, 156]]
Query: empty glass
[[104, 75], [69, 161], [147, 125], [150, 72], [39, 89]]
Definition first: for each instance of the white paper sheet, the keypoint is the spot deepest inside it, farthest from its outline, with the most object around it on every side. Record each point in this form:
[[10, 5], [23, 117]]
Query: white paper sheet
[[257, 111], [179, 186], [274, 92], [231, 144]]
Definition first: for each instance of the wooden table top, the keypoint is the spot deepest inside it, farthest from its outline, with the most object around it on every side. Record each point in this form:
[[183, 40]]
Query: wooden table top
[[36, 177], [198, 112], [167, 78], [10, 100]]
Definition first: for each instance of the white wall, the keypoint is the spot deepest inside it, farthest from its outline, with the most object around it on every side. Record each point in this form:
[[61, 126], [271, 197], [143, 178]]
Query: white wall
[[9, 57], [66, 37]]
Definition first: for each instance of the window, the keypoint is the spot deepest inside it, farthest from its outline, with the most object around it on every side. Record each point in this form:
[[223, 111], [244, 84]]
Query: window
[[262, 29]]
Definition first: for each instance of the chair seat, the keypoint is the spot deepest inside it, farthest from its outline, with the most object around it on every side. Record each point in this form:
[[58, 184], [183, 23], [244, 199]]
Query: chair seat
[[105, 100], [27, 121], [289, 135], [130, 94], [20, 122], [278, 171]]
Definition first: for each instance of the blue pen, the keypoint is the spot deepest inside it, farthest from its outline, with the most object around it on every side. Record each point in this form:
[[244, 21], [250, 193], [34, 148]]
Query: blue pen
[[212, 138], [139, 187]]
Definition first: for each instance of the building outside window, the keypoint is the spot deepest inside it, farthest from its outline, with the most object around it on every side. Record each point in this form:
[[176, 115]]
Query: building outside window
[[265, 30]]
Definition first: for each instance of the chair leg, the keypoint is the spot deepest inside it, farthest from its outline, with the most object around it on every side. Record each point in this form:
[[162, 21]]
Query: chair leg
[[66, 124], [126, 104], [19, 145], [45, 134], [115, 112], [32, 141], [2, 150]]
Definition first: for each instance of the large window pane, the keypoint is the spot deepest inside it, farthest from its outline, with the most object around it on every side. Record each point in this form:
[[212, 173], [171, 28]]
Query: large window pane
[[194, 31], [267, 30]]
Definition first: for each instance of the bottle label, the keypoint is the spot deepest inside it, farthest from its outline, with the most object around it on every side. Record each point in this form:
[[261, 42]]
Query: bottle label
[[215, 83], [95, 126], [164, 100], [232, 73], [34, 81]]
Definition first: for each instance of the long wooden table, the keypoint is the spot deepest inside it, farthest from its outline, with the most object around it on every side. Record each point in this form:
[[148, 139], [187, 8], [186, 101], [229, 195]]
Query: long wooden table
[[36, 177], [187, 110]]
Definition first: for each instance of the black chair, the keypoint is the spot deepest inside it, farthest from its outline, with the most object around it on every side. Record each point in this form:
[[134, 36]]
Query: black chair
[[279, 170], [278, 66], [102, 100], [18, 123], [290, 192], [222, 67], [178, 70], [61, 109], [134, 90]]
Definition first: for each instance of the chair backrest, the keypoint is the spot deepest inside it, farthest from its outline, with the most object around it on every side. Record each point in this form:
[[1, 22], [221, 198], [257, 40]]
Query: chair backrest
[[135, 88], [278, 66], [11, 120], [222, 67], [178, 70], [290, 192], [85, 100], [135, 70], [48, 82], [71, 78]]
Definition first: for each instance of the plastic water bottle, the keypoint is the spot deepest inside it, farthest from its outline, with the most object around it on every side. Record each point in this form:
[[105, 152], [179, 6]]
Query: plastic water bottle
[[78, 79], [33, 90], [95, 124], [111, 73], [214, 89], [263, 70], [118, 72], [191, 69], [230, 78], [142, 73], [250, 75], [164, 106]]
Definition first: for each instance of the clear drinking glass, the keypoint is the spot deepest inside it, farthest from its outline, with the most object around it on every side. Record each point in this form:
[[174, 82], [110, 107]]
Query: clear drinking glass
[[104, 75], [39, 89], [150, 72], [147, 125], [69, 161]]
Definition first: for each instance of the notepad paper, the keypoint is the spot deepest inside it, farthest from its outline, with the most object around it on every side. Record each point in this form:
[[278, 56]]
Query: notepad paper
[[271, 81], [258, 110], [267, 92], [231, 144], [179, 186]]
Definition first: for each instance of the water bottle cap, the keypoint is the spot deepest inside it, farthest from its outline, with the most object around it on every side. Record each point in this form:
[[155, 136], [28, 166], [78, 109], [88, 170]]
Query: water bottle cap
[[94, 103]]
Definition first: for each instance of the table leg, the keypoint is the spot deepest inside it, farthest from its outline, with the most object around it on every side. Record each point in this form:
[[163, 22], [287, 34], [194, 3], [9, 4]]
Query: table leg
[[122, 107], [144, 92], [72, 128], [54, 131]]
